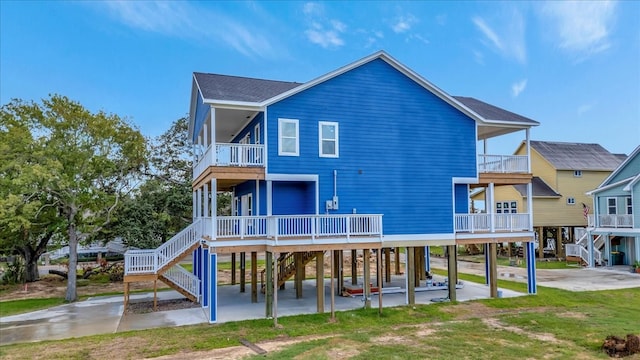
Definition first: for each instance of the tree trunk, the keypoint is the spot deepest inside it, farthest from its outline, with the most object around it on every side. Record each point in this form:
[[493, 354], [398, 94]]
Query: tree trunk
[[31, 267], [72, 294]]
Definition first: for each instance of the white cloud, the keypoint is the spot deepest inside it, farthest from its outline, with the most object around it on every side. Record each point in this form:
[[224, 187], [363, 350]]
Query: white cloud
[[518, 87], [507, 37], [403, 23], [582, 27], [322, 31], [184, 20]]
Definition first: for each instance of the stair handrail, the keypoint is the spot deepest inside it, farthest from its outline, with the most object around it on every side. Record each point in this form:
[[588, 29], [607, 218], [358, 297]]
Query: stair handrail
[[184, 279], [177, 245]]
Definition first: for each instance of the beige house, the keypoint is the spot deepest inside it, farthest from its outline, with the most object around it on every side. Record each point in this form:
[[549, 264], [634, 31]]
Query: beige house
[[562, 174]]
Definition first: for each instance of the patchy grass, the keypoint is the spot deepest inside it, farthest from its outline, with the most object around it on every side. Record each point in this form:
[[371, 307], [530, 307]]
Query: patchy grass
[[555, 324], [13, 307]]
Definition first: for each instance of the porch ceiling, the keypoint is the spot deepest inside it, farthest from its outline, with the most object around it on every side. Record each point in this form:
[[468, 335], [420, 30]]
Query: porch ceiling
[[229, 122], [487, 132]]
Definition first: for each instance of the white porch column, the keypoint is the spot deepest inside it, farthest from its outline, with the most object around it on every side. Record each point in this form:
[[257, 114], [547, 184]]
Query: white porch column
[[530, 205], [205, 135], [484, 146], [257, 210], [490, 209], [194, 205], [214, 155], [199, 203], [269, 198], [607, 250], [528, 150], [206, 200], [214, 208], [591, 259]]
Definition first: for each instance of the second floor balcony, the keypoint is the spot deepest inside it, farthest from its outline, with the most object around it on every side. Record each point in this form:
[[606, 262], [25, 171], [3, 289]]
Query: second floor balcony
[[484, 223], [611, 221], [502, 164], [231, 155]]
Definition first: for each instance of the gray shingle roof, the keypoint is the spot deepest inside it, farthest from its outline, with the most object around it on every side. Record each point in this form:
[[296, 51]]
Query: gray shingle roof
[[235, 88], [491, 112], [538, 188], [577, 156]]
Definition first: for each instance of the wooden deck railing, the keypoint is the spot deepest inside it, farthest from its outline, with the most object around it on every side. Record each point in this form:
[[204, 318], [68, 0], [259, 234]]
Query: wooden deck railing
[[230, 154]]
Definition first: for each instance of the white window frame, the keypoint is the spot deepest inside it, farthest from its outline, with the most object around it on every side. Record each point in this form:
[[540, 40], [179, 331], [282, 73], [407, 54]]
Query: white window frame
[[615, 205], [282, 121], [320, 139], [577, 173], [629, 204], [571, 201]]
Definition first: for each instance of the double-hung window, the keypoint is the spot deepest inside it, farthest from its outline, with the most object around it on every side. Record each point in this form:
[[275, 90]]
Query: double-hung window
[[612, 206], [328, 140], [288, 137]]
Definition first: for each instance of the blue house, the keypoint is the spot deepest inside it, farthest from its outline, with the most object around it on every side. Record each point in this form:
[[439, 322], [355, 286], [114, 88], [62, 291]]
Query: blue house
[[614, 228], [370, 156]]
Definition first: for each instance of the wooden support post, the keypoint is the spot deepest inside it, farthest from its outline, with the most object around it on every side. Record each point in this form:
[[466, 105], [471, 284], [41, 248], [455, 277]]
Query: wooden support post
[[493, 271], [452, 271], [387, 264], [397, 260], [126, 297], [269, 284], [418, 269], [354, 267], [378, 265], [410, 273], [233, 268], [299, 276], [320, 281], [334, 266], [275, 294], [254, 277], [541, 238], [340, 271], [243, 271], [281, 264], [366, 279], [559, 250]]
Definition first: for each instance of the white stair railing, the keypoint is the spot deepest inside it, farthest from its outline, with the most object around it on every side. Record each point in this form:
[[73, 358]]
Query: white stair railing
[[151, 260], [184, 279]]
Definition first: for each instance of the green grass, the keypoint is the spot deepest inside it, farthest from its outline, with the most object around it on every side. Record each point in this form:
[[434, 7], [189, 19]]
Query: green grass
[[13, 307], [577, 321]]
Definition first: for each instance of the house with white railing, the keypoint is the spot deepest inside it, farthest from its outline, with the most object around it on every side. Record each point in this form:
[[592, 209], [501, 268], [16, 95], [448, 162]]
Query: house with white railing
[[613, 232], [370, 156]]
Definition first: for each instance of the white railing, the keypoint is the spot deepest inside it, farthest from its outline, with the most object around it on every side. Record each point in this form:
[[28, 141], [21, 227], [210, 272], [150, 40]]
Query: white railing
[[580, 251], [230, 154], [483, 222], [591, 220], [615, 221], [183, 278], [296, 226], [150, 261], [502, 163]]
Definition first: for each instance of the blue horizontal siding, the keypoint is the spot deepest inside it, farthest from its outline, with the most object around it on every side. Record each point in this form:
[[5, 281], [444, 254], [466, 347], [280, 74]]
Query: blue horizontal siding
[[630, 169], [400, 147], [462, 198]]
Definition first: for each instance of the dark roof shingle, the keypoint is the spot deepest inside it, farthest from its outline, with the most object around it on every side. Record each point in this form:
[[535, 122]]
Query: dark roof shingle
[[490, 112], [577, 156], [538, 188], [236, 88]]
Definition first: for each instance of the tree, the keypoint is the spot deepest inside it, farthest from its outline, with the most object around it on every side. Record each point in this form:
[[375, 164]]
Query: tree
[[89, 161]]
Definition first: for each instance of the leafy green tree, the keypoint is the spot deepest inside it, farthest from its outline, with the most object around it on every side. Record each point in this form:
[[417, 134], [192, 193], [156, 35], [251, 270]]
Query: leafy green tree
[[83, 164]]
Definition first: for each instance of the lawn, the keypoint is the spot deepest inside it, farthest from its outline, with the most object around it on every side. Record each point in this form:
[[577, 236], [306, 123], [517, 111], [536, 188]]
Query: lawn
[[554, 324]]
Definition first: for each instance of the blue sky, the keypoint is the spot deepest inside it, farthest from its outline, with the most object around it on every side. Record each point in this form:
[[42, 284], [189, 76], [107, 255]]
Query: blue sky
[[574, 67]]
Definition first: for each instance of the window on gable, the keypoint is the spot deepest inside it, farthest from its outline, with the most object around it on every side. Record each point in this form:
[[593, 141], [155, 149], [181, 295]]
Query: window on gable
[[288, 139], [612, 206], [577, 173], [571, 201], [328, 139]]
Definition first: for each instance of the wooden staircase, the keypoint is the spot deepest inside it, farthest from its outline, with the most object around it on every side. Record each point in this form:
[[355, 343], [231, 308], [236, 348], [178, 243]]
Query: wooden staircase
[[163, 264], [287, 266]]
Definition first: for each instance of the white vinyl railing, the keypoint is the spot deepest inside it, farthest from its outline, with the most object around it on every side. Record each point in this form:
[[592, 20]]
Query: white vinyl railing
[[485, 222], [183, 278], [580, 251], [230, 154], [502, 163], [150, 261], [615, 221], [295, 226]]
